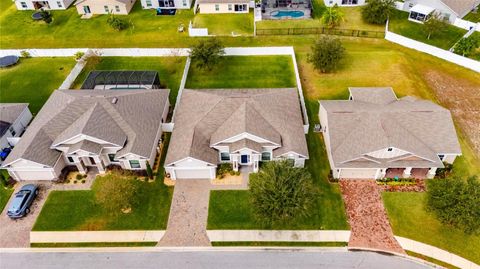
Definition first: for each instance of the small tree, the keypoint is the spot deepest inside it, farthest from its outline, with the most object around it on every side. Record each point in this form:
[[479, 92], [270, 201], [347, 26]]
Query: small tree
[[116, 23], [281, 193], [466, 46], [46, 16], [207, 53], [456, 201], [378, 11], [149, 171], [326, 54], [116, 192], [435, 24], [332, 17]]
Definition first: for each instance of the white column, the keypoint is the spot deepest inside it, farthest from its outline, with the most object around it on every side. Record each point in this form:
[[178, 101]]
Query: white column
[[383, 172], [431, 172], [407, 172], [99, 164], [78, 163]]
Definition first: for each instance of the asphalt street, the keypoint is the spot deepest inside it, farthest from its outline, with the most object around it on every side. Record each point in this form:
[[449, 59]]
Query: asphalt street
[[217, 259]]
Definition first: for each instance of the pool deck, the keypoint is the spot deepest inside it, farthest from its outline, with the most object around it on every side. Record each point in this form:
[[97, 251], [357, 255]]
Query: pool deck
[[268, 11]]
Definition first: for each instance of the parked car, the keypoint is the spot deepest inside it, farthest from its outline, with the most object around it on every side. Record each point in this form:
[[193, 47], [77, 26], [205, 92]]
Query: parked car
[[23, 199]]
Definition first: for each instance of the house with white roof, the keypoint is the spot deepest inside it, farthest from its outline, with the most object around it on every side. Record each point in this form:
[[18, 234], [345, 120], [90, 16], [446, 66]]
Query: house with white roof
[[375, 135]]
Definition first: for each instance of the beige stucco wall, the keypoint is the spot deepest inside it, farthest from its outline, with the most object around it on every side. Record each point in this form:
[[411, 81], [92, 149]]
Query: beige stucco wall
[[223, 8], [98, 7]]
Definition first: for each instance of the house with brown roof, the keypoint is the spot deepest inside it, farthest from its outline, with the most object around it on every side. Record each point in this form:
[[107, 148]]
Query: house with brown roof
[[223, 6], [91, 129], [375, 135], [239, 126], [421, 10]]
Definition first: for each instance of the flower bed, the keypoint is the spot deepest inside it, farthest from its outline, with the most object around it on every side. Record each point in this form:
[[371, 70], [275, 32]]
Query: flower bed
[[401, 184]]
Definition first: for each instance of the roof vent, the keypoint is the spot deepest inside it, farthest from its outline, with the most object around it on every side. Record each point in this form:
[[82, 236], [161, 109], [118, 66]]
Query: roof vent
[[114, 100]]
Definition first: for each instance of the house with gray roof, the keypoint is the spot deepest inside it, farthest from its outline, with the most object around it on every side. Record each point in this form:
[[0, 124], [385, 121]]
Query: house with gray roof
[[421, 10], [375, 135], [14, 118], [91, 129], [239, 126]]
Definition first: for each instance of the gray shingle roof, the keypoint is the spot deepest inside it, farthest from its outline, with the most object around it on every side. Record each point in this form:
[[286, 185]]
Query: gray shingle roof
[[461, 7], [373, 95], [9, 113], [204, 116], [135, 116], [420, 127]]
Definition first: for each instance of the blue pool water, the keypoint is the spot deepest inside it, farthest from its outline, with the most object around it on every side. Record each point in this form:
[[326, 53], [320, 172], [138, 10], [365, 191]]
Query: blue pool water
[[288, 13]]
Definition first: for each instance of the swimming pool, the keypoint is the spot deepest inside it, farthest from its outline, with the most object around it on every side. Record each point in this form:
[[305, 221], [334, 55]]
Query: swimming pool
[[287, 13]]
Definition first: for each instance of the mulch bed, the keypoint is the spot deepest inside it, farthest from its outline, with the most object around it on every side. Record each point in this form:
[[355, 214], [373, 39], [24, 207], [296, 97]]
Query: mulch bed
[[419, 186]]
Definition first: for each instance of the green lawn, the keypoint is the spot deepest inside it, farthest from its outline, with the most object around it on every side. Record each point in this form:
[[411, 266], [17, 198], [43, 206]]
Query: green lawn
[[5, 194], [352, 20], [32, 80], [473, 17], [77, 211], [170, 69], [410, 219], [401, 25], [244, 72], [225, 24]]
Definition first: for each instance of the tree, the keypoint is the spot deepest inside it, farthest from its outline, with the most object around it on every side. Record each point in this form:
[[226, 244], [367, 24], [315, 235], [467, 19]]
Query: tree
[[434, 24], [281, 193], [46, 16], [207, 53], [332, 17], [326, 54], [378, 11], [116, 23], [466, 46], [117, 192], [456, 201], [149, 171]]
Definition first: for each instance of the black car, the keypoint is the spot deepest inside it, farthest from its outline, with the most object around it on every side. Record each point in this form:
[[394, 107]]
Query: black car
[[23, 199]]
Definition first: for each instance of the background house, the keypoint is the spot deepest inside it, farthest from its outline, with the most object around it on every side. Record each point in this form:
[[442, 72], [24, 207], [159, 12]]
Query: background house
[[14, 118], [46, 4], [376, 135], [92, 7], [239, 126], [166, 4], [449, 9], [331, 3], [90, 129], [223, 6]]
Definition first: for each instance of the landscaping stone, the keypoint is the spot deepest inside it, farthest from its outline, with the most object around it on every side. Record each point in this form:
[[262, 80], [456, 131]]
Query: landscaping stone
[[367, 216]]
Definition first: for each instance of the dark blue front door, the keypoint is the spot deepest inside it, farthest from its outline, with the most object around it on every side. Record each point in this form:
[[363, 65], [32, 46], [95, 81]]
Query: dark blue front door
[[244, 158]]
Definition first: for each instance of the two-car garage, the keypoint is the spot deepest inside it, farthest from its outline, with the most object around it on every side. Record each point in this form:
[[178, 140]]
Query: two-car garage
[[196, 173], [191, 168], [367, 173]]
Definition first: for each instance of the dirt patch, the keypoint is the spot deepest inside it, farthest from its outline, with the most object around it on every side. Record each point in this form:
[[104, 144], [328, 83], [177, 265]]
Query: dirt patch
[[462, 97]]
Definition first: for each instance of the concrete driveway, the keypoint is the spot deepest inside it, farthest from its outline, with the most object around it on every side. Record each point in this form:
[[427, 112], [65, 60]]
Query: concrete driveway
[[16, 233], [187, 222]]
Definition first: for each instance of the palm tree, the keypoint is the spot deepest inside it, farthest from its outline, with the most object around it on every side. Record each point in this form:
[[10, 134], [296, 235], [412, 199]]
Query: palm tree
[[332, 17]]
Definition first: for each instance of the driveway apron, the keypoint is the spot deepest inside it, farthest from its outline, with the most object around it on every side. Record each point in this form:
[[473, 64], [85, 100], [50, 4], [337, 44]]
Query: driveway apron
[[367, 217], [187, 222]]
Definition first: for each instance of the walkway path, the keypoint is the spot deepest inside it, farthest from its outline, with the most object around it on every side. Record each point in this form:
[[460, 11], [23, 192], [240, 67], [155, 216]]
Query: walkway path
[[367, 216], [187, 222]]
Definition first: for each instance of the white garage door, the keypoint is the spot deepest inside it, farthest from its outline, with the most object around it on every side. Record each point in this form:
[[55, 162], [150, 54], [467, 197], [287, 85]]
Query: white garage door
[[192, 173], [358, 173], [35, 175]]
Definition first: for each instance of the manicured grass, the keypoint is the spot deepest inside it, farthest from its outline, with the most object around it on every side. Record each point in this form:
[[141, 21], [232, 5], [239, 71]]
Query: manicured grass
[[473, 17], [93, 245], [77, 210], [352, 20], [279, 244], [225, 24], [432, 260], [401, 25], [244, 72], [410, 219], [32, 80], [68, 30], [5, 194], [170, 69]]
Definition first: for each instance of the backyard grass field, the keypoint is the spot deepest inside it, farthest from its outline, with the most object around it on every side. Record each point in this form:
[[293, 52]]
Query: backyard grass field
[[409, 218], [32, 80], [170, 69], [5, 194], [231, 24]]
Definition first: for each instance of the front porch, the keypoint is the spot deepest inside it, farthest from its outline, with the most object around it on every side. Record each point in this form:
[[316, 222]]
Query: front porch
[[417, 173], [420, 13]]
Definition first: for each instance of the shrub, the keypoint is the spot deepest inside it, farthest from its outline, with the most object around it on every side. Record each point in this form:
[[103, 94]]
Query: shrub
[[207, 53], [281, 193], [456, 201], [332, 16], [116, 23], [378, 11], [224, 169], [46, 16], [79, 176], [3, 180], [78, 55], [466, 46], [149, 171], [83, 181], [326, 54], [116, 192], [25, 54], [444, 172]]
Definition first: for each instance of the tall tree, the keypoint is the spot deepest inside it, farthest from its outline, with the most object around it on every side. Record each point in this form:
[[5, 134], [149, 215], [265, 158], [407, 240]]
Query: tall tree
[[435, 24], [207, 53], [378, 11], [332, 17], [326, 54]]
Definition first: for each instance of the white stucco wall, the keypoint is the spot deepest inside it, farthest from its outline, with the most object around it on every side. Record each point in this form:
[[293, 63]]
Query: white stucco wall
[[19, 126], [154, 4], [223, 8], [53, 4], [98, 7], [330, 3]]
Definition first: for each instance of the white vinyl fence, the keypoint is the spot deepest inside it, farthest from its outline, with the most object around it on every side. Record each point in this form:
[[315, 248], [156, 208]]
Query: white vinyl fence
[[467, 25], [196, 31]]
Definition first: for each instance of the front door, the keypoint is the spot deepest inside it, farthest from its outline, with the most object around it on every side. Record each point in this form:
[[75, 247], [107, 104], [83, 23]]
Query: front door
[[245, 159], [86, 9]]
